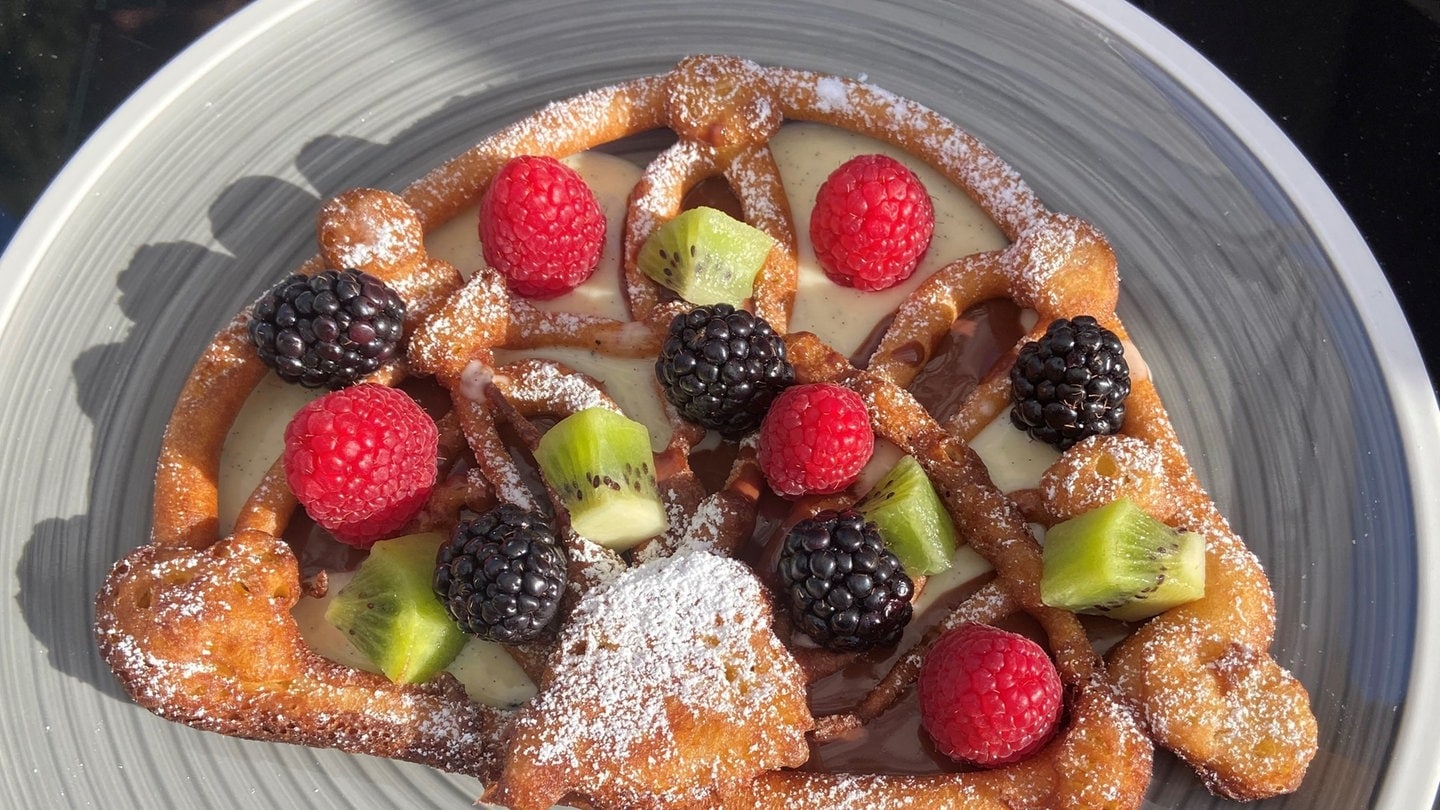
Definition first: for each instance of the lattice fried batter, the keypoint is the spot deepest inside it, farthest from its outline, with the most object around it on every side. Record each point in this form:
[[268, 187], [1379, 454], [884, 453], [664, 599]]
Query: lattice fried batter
[[668, 688], [703, 702]]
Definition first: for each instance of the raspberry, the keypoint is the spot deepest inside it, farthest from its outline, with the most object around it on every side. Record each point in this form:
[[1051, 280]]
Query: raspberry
[[541, 226], [361, 461], [988, 697], [815, 439], [501, 575], [872, 222], [722, 367]]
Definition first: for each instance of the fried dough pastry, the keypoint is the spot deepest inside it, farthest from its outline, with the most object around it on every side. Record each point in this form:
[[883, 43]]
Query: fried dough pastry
[[670, 683], [667, 688]]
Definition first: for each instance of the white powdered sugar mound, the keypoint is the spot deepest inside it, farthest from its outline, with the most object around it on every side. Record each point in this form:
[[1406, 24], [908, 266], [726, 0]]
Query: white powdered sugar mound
[[679, 630]]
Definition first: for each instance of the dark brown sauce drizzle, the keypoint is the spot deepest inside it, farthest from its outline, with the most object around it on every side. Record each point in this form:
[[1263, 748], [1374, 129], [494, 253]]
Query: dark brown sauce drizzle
[[893, 743], [714, 192], [979, 338]]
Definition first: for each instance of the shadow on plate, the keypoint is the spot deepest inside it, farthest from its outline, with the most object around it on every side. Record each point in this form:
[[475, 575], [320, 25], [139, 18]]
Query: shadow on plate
[[175, 295]]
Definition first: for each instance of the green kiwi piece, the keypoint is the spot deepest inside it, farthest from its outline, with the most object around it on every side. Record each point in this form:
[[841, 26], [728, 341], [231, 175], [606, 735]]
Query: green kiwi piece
[[706, 256], [1120, 562], [600, 464], [911, 518], [391, 614]]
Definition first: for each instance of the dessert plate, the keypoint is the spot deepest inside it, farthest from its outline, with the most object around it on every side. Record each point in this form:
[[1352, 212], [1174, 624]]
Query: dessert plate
[[1289, 372]]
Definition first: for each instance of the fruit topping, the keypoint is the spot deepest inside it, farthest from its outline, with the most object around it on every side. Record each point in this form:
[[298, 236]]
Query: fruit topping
[[706, 256], [541, 226], [501, 575], [327, 330], [910, 517], [1120, 562], [845, 589], [987, 696], [361, 461], [721, 367], [1071, 383], [815, 439], [390, 614], [872, 222], [600, 465]]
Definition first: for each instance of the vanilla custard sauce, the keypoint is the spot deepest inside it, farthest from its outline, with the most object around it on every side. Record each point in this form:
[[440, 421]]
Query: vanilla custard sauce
[[843, 317]]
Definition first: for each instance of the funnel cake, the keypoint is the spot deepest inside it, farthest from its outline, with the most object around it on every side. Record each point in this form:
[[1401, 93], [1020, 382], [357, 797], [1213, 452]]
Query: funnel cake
[[669, 682]]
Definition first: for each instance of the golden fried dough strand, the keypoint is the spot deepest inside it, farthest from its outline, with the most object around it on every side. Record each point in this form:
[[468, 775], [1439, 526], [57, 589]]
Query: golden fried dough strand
[[205, 637], [559, 129], [1061, 267], [198, 628], [1099, 761], [989, 522], [1199, 674], [668, 685]]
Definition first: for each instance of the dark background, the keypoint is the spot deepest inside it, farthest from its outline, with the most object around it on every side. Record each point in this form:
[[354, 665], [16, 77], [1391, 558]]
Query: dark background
[[1354, 83]]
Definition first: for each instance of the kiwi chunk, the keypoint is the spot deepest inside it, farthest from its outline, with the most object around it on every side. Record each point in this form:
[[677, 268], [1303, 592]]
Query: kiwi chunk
[[391, 614], [911, 518], [600, 464], [1120, 562], [706, 256]]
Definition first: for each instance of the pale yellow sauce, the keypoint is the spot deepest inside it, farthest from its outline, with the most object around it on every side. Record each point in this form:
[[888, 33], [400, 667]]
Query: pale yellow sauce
[[806, 154]]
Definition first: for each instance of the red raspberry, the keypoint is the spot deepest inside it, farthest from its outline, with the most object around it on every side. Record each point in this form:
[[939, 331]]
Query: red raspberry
[[872, 222], [988, 697], [815, 439], [362, 461], [541, 226]]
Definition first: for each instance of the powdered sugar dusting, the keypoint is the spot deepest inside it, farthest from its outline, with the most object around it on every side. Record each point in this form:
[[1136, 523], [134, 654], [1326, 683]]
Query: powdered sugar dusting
[[471, 320], [564, 391], [831, 94], [597, 565], [386, 241], [880, 113], [1033, 273], [684, 636], [688, 631]]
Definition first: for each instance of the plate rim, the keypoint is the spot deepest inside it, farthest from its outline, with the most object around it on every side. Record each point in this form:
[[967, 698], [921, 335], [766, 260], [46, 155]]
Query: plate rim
[[1414, 767], [57, 203], [1413, 770]]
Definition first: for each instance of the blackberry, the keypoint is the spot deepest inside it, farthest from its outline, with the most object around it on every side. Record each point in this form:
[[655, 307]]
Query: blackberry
[[846, 590], [501, 575], [722, 367], [329, 329], [1071, 383]]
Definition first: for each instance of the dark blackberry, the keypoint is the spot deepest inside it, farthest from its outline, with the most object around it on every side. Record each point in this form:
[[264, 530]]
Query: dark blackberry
[[1071, 383], [329, 329], [501, 575], [722, 367], [846, 590]]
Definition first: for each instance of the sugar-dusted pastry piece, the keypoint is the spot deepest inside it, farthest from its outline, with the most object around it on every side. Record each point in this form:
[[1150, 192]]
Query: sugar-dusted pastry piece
[[670, 682], [668, 688]]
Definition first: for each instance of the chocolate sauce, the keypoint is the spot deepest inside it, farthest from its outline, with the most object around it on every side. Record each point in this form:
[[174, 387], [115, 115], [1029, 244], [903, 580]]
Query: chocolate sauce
[[316, 550], [712, 465], [977, 340], [894, 742], [714, 192]]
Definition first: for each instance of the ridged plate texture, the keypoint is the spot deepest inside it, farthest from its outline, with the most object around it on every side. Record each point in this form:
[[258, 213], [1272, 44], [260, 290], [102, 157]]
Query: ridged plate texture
[[1281, 353]]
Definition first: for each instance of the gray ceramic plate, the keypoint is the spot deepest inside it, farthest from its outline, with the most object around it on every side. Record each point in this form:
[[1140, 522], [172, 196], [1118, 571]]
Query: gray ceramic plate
[[1285, 360]]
